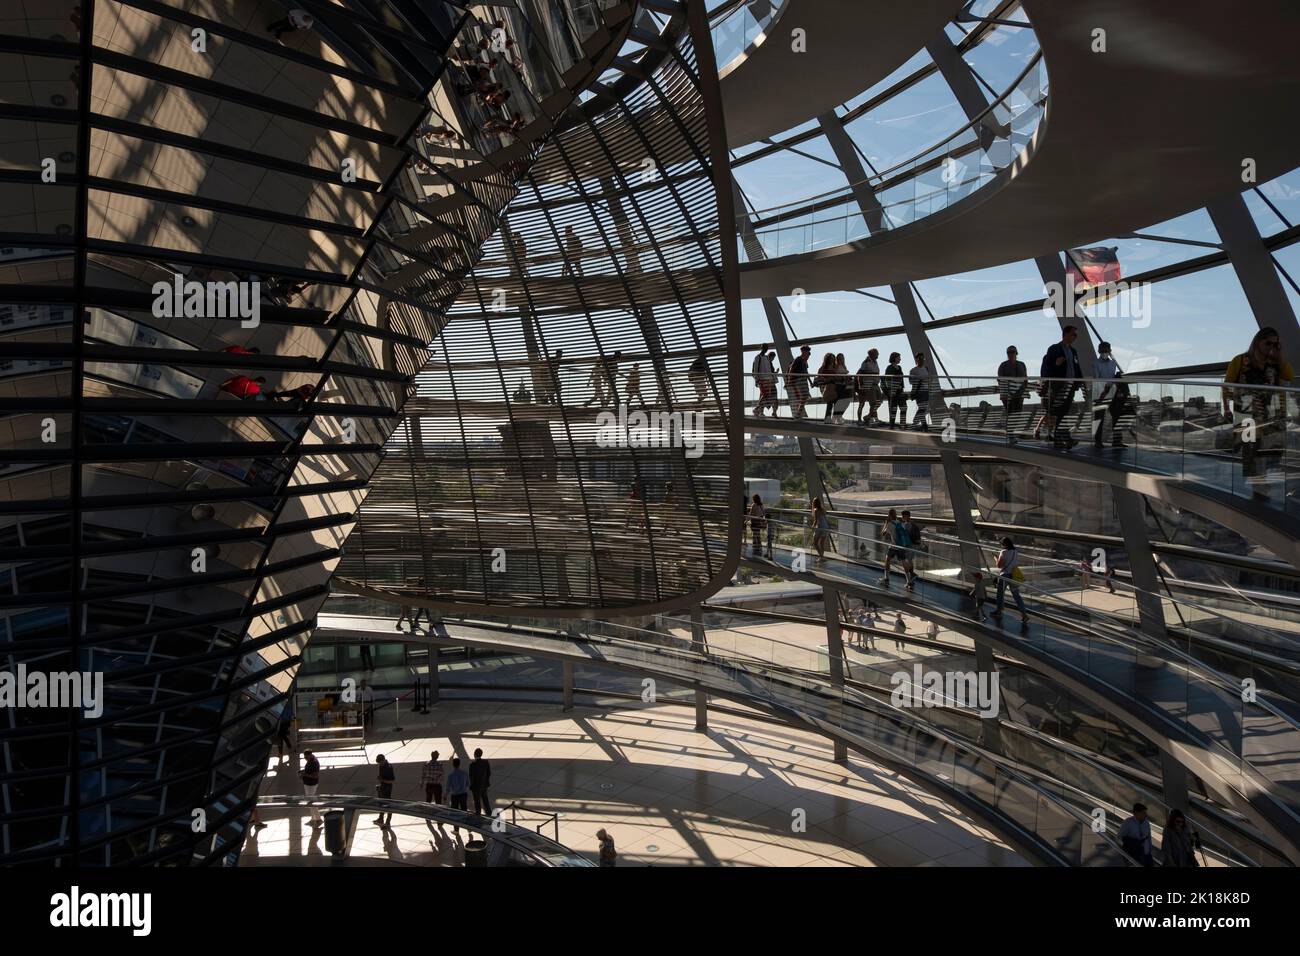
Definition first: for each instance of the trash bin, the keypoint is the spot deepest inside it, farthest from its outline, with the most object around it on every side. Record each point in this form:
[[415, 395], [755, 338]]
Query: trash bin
[[334, 831], [476, 853]]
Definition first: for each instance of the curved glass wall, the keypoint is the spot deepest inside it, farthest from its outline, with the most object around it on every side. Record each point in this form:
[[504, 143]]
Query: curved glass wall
[[569, 444], [225, 249]]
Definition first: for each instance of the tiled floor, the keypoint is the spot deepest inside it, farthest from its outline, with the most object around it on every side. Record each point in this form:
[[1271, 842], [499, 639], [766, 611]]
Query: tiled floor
[[746, 793]]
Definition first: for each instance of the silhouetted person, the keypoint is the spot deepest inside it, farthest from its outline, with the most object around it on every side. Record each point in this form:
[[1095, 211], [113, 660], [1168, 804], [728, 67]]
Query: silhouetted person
[[298, 19], [1060, 372], [796, 383], [384, 788], [1179, 844], [1135, 835], [1013, 383], [310, 777], [458, 786], [431, 779], [608, 855], [480, 778], [1263, 364]]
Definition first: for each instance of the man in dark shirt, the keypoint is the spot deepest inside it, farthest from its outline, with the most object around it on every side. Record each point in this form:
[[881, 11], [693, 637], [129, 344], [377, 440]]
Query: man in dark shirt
[[1013, 382], [796, 382], [384, 788], [1061, 370], [480, 778], [310, 777], [894, 393]]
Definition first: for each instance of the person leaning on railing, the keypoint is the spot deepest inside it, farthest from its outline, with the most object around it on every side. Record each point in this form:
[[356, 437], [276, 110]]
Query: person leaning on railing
[[1263, 364]]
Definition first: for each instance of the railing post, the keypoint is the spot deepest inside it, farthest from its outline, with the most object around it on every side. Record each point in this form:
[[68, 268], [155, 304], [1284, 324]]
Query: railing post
[[835, 661]]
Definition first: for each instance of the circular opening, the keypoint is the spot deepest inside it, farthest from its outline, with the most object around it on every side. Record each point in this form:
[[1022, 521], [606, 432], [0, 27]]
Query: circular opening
[[58, 99], [67, 156], [189, 222]]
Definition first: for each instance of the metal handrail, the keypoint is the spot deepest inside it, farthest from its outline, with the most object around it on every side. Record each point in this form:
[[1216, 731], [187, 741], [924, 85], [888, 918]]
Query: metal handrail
[[1224, 682], [534, 846]]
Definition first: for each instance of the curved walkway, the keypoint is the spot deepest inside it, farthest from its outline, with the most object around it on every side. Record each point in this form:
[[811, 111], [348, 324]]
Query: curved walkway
[[1188, 89], [670, 795], [1249, 759], [1271, 527], [290, 840], [981, 783], [851, 45]]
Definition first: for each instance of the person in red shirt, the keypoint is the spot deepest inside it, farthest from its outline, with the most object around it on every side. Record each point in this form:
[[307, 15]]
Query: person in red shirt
[[242, 350], [243, 387]]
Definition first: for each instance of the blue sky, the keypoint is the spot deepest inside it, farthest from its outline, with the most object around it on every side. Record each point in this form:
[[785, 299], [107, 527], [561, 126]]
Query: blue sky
[[1198, 318]]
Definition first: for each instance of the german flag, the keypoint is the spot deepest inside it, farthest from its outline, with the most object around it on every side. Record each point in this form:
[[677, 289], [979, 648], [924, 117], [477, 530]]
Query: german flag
[[1093, 266]]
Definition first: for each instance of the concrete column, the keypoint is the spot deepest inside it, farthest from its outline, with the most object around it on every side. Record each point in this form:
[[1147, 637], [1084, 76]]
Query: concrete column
[[701, 710], [835, 656], [990, 728], [699, 642], [567, 670], [1131, 511], [1255, 271], [434, 677], [1174, 776], [1129, 508]]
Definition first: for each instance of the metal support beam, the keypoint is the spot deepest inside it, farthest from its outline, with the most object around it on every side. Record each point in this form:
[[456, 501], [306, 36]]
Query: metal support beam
[[990, 728], [566, 670], [1129, 508], [699, 643], [1052, 269], [701, 710], [835, 657], [1174, 775], [435, 681], [1255, 270], [954, 476], [970, 96], [784, 354]]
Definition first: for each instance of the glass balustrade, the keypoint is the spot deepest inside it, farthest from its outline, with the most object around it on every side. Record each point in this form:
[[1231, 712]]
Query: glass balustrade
[[1248, 737], [737, 24], [1000, 139], [1244, 440]]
